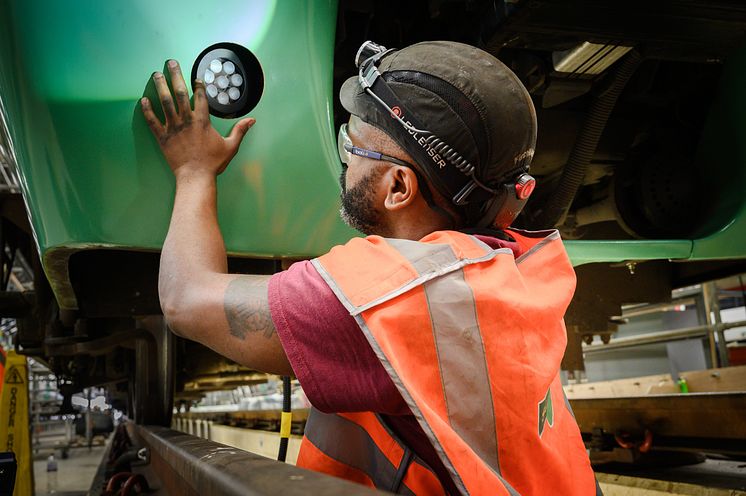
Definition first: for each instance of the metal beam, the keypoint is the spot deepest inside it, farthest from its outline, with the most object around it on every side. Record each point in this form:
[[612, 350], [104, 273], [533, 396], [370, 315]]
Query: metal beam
[[719, 353], [660, 337], [99, 346], [188, 465], [715, 420]]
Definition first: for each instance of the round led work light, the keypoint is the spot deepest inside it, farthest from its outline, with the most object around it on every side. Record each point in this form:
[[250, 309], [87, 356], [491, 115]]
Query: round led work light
[[233, 78]]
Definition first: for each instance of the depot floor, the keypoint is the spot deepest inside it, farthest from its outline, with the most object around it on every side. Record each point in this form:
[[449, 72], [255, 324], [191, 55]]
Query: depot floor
[[74, 474]]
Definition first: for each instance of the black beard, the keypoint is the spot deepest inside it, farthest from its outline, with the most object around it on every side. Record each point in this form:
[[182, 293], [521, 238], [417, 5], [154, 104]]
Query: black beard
[[358, 204]]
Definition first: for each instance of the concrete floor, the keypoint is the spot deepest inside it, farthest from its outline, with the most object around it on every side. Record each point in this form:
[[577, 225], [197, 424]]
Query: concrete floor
[[712, 477], [74, 474]]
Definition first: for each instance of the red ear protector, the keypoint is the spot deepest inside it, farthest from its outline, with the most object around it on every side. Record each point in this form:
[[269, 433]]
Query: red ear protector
[[504, 207]]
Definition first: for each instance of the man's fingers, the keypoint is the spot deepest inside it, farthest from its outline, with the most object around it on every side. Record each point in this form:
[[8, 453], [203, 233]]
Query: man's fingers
[[201, 109], [239, 131], [164, 95], [153, 123], [180, 90]]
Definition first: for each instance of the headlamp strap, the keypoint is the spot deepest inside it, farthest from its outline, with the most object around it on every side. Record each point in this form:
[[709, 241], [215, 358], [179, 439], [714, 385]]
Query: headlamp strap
[[369, 72], [442, 170]]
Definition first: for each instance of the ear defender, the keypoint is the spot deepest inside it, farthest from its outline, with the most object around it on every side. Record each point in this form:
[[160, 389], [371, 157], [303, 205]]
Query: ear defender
[[510, 199], [524, 186]]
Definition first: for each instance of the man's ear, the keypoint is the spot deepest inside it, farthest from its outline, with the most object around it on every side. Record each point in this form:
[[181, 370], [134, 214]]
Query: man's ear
[[401, 187]]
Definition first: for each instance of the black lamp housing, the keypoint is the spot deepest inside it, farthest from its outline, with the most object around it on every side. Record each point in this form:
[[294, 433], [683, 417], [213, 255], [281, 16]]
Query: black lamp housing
[[246, 65]]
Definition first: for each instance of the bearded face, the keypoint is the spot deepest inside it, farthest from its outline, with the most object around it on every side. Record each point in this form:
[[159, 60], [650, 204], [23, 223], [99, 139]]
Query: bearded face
[[359, 210]]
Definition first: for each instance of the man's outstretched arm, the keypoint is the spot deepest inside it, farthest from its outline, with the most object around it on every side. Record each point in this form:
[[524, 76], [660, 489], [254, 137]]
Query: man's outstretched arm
[[226, 312]]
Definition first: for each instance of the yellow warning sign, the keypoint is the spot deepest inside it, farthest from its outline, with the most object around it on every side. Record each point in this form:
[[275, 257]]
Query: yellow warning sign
[[14, 421], [14, 377]]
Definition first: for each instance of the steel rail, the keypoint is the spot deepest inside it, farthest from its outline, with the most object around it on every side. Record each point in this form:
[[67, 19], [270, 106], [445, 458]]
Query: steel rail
[[188, 465]]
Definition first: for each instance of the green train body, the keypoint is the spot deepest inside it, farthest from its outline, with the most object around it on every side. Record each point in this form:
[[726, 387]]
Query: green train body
[[93, 176]]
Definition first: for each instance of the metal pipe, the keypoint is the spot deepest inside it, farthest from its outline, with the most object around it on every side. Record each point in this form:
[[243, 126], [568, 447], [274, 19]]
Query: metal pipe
[[88, 421], [659, 337], [638, 310], [601, 211], [161, 378], [682, 296], [716, 335]]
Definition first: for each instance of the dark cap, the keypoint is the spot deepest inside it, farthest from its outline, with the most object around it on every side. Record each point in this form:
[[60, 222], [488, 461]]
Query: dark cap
[[462, 94]]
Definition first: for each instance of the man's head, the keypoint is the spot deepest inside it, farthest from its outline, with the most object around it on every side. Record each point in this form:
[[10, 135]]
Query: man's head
[[457, 115], [380, 186]]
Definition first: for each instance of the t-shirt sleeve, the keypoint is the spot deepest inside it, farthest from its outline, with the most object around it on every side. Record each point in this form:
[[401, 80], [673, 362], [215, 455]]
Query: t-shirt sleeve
[[328, 352]]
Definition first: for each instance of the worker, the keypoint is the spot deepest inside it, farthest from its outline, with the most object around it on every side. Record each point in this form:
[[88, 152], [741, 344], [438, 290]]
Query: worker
[[430, 349]]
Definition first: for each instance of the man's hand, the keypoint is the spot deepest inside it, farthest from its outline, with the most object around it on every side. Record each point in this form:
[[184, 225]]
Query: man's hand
[[188, 140]]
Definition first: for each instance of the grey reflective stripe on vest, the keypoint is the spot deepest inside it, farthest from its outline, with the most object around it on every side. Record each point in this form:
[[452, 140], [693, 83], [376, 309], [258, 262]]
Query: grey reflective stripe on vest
[[350, 444], [461, 356], [554, 235], [424, 257], [463, 365]]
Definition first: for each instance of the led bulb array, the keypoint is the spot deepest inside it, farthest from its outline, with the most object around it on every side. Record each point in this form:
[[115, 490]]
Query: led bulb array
[[233, 77], [223, 81]]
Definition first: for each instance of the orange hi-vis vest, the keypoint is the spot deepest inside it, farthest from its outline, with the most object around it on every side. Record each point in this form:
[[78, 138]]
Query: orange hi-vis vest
[[472, 338]]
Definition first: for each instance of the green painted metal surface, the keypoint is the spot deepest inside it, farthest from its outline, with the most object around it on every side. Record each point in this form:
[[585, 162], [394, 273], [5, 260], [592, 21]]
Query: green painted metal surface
[[722, 155], [70, 78], [91, 172], [583, 252], [723, 151]]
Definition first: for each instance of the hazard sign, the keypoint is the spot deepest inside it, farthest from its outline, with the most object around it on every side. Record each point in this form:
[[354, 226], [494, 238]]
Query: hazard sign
[[13, 376], [14, 421]]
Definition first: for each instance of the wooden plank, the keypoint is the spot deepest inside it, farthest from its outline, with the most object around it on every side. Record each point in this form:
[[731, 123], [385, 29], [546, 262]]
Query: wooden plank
[[728, 379], [716, 416]]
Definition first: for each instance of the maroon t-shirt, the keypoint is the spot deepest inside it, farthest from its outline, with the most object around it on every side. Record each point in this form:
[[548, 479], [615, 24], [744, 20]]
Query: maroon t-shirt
[[333, 361]]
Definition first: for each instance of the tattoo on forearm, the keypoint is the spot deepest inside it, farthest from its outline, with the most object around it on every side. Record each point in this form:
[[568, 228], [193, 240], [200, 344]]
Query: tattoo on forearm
[[247, 308]]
